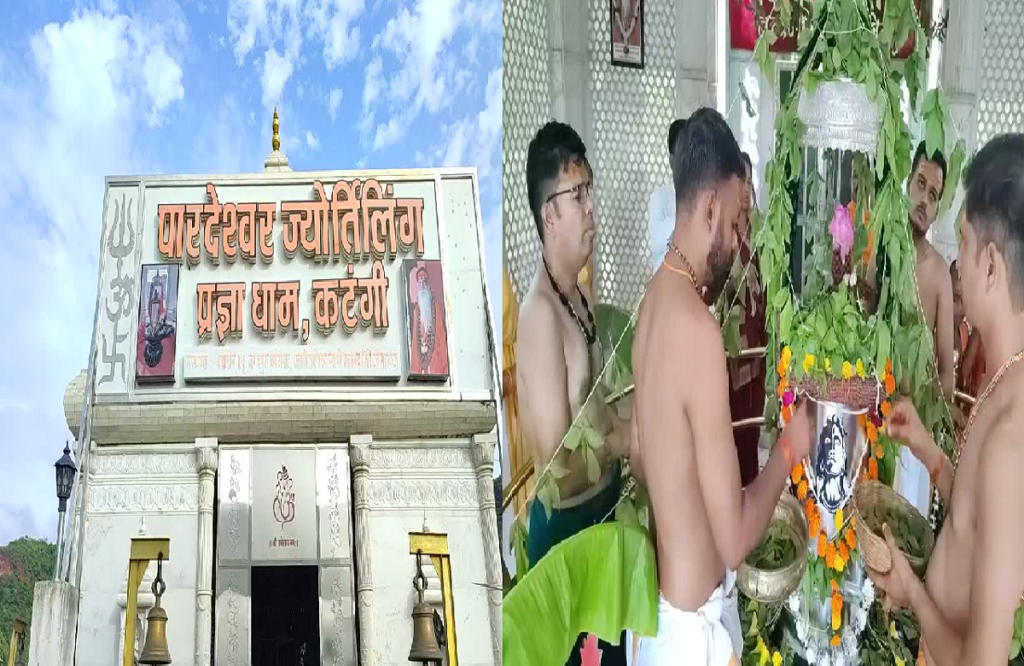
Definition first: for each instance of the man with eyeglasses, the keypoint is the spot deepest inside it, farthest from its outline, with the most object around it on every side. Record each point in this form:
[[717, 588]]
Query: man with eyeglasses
[[559, 359]]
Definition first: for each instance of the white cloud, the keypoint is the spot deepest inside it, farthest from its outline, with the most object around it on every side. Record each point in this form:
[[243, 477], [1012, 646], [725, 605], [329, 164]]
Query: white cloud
[[276, 71], [335, 101], [312, 141], [457, 140], [252, 22], [332, 21], [71, 109], [163, 82], [476, 139], [427, 76], [388, 133], [371, 91], [372, 84]]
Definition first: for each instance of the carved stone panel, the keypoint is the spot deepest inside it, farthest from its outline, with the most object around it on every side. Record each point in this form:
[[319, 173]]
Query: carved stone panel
[[334, 492], [284, 504], [419, 494], [337, 616], [233, 617], [135, 498], [234, 503], [118, 290]]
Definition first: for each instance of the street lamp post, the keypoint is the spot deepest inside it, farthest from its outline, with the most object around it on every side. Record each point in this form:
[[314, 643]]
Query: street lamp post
[[66, 471]]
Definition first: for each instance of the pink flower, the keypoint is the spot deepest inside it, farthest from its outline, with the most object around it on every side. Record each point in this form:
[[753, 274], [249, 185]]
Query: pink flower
[[841, 229], [787, 398], [590, 655]]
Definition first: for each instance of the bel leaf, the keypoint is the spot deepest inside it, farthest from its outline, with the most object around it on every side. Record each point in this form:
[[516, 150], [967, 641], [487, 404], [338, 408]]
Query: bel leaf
[[593, 469], [786, 319], [573, 438], [882, 352]]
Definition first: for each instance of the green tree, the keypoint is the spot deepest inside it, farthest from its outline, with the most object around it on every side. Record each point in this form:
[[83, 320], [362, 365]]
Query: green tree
[[32, 560]]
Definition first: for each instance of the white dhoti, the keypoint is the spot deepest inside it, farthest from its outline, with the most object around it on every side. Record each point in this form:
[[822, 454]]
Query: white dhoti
[[710, 635]]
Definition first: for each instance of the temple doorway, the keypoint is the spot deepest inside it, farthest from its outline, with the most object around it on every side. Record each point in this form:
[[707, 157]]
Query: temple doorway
[[285, 616]]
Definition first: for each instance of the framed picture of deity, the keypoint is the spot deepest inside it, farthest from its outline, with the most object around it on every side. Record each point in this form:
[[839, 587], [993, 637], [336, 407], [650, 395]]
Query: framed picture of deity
[[428, 325], [627, 33], [158, 324]]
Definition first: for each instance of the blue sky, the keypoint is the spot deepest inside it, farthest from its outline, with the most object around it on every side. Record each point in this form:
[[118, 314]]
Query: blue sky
[[89, 89]]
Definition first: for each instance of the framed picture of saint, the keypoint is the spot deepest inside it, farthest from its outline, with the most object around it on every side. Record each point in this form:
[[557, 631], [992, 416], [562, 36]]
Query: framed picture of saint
[[428, 326], [627, 32], [158, 324]]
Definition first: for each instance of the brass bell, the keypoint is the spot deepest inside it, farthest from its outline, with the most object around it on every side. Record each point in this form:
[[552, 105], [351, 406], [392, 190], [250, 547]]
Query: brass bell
[[424, 643], [155, 651]]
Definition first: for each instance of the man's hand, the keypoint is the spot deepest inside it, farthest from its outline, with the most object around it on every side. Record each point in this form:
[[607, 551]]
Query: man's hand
[[898, 582], [800, 432], [905, 426]]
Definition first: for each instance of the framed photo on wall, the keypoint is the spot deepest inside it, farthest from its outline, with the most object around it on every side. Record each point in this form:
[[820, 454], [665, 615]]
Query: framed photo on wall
[[157, 335], [428, 326], [627, 32]]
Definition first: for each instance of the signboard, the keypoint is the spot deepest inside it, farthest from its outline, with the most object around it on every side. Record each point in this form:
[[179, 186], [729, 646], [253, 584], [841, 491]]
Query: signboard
[[283, 505], [289, 282]]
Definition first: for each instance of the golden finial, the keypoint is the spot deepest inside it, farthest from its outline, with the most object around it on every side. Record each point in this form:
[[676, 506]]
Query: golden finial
[[277, 127]]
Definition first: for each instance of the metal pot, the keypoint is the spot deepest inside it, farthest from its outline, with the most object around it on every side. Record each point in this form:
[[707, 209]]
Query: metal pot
[[834, 459]]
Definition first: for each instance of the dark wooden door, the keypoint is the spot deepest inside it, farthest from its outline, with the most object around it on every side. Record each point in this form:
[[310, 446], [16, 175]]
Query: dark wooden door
[[285, 616]]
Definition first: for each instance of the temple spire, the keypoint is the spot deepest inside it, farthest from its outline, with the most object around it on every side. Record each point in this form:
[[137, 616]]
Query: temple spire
[[277, 160], [277, 129]]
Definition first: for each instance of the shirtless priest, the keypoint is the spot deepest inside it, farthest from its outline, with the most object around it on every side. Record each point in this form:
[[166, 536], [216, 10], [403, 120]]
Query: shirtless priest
[[974, 581], [559, 356], [681, 430]]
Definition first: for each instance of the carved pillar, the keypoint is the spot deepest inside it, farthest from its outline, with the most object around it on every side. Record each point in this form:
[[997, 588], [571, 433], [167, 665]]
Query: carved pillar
[[960, 72], [359, 452], [483, 460], [206, 454], [567, 28]]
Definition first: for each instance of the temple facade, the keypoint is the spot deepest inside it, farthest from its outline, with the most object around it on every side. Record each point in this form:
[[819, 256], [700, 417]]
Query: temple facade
[[293, 379]]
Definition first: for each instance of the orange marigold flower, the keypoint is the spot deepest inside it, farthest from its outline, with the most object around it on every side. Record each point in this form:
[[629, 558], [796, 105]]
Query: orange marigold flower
[[862, 420], [872, 432], [834, 586], [822, 544], [797, 472], [813, 524], [873, 468], [866, 256], [781, 369], [787, 413], [835, 640], [888, 366], [890, 384], [843, 551], [830, 555], [886, 409], [801, 490], [783, 385], [851, 538], [879, 453]]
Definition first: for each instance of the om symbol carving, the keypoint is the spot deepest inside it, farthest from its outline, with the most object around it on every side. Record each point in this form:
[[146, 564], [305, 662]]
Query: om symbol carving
[[284, 500]]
